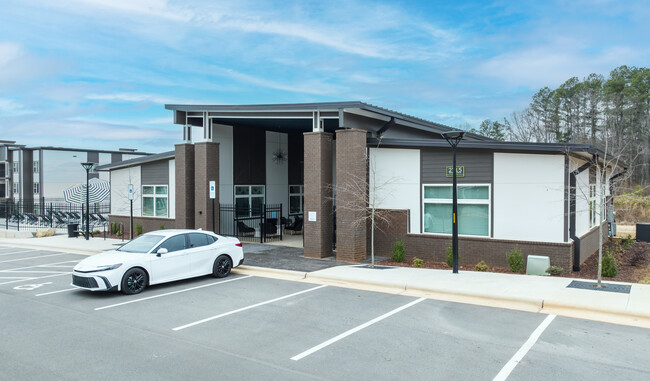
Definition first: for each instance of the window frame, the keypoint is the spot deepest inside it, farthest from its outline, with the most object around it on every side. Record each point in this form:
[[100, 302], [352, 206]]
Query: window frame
[[36, 166], [302, 199], [155, 196], [250, 197], [36, 187], [450, 201]]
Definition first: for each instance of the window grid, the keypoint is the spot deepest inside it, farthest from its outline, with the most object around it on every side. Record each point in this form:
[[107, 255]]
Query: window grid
[[465, 191], [155, 201]]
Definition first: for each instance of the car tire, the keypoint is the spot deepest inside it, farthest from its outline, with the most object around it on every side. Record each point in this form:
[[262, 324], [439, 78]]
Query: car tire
[[134, 281], [222, 266]]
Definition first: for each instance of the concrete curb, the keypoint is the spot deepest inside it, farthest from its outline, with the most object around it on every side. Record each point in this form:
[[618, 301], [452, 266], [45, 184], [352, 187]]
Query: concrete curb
[[554, 304], [269, 272]]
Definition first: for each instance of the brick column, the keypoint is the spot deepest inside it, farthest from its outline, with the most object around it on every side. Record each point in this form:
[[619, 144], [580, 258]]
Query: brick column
[[184, 157], [206, 169], [351, 195], [318, 194]]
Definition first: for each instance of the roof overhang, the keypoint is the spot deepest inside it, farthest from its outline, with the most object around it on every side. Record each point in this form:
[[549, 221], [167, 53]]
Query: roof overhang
[[136, 161]]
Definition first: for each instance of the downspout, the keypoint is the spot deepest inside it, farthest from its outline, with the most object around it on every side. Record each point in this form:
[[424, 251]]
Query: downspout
[[572, 213]]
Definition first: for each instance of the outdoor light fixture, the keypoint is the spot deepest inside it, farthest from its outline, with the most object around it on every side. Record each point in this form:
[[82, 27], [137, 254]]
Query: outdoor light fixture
[[453, 138], [87, 167]]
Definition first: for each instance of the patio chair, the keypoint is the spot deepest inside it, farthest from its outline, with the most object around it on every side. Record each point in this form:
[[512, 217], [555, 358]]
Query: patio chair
[[269, 229], [296, 228], [245, 230]]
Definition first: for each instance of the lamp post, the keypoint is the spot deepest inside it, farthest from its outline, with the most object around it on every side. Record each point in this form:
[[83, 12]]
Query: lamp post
[[87, 167], [453, 138]]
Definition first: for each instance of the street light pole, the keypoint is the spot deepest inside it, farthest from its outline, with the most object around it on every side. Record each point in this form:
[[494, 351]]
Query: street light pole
[[453, 138], [87, 167]]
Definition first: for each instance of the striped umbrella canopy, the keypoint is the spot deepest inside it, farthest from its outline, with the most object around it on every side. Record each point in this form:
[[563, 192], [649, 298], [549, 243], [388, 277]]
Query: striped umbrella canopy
[[98, 192]]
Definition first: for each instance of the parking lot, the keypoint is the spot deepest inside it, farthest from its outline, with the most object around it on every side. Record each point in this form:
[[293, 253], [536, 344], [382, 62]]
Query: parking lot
[[245, 327]]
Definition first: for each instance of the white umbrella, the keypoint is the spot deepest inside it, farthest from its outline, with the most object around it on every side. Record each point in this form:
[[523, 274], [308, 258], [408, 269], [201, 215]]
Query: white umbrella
[[99, 191]]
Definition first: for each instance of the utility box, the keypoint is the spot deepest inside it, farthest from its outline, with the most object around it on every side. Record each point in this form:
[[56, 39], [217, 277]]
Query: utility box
[[537, 265], [643, 231]]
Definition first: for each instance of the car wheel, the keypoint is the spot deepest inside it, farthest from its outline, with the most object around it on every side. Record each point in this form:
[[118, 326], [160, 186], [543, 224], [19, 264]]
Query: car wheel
[[222, 266], [134, 281]]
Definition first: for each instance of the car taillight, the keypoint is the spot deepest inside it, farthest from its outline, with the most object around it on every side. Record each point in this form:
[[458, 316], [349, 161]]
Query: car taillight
[[238, 244]]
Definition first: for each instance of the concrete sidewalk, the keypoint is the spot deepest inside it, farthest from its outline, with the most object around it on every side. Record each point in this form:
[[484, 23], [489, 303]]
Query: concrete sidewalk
[[543, 294]]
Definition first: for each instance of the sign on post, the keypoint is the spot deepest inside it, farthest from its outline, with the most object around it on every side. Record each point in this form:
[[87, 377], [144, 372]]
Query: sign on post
[[213, 191], [130, 191]]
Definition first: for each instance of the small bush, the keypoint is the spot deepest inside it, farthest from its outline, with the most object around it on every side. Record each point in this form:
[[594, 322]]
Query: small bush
[[114, 228], [555, 270], [138, 229], [398, 252], [450, 256], [481, 266], [96, 232], [515, 260], [162, 227], [417, 262], [609, 266], [627, 241]]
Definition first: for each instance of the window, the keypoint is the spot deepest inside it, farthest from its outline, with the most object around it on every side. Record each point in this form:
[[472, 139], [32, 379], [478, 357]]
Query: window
[[37, 188], [593, 213], [174, 243], [296, 199], [36, 166], [16, 188], [249, 200], [473, 209], [154, 200], [15, 166], [199, 239]]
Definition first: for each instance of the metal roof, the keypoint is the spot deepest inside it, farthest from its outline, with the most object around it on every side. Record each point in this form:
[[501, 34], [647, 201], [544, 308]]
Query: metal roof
[[322, 106], [136, 161]]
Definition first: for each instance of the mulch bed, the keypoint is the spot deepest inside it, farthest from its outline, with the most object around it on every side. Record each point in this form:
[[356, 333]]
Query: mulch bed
[[633, 264]]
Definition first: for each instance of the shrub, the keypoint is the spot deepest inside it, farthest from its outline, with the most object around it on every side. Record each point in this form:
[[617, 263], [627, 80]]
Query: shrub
[[481, 266], [138, 229], [450, 256], [162, 227], [96, 232], [417, 262], [114, 228], [627, 241], [555, 270], [515, 260], [609, 266], [398, 252]]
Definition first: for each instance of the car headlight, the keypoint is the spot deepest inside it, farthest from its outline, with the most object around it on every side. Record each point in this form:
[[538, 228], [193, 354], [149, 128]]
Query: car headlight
[[108, 267]]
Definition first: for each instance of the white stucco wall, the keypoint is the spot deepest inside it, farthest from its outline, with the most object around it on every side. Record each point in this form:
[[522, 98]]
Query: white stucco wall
[[222, 134], [277, 173], [171, 202], [395, 181], [529, 197], [120, 180]]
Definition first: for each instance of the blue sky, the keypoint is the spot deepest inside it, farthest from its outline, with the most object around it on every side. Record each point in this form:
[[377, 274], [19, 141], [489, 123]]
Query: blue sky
[[97, 73]]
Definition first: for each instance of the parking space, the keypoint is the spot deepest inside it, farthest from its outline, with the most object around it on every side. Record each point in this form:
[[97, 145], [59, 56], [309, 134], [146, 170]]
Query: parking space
[[245, 327]]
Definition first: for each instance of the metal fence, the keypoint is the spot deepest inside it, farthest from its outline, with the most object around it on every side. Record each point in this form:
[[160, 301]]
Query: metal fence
[[251, 224], [32, 215]]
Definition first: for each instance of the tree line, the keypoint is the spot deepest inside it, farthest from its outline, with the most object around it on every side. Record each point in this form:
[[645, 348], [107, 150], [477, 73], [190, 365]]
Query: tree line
[[610, 113]]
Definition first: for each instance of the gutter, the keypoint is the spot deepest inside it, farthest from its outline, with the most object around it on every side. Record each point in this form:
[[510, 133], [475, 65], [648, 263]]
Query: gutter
[[572, 212]]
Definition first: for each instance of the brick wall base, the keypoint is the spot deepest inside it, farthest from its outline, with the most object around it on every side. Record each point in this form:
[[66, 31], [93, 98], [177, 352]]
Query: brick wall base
[[471, 249], [589, 242], [148, 223]]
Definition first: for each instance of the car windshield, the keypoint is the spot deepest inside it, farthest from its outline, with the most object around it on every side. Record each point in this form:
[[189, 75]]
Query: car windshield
[[142, 244]]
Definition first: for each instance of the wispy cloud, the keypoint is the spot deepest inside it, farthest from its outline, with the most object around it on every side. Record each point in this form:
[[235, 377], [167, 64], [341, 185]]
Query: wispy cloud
[[9, 107]]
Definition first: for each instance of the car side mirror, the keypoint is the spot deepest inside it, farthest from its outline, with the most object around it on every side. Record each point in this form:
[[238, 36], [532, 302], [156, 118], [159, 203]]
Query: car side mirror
[[161, 251]]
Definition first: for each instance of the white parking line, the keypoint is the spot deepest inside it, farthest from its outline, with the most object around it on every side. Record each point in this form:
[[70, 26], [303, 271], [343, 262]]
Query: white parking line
[[353, 330], [245, 308], [17, 252], [34, 266], [508, 368], [35, 271], [171, 293], [32, 278], [57, 292], [13, 277], [42, 256]]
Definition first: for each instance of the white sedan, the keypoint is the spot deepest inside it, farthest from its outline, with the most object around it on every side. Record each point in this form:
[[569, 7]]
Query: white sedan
[[158, 257]]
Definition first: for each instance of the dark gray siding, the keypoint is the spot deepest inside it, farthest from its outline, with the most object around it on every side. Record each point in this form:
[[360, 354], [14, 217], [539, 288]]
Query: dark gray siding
[[479, 165], [115, 157], [156, 173], [296, 157], [28, 174], [249, 155]]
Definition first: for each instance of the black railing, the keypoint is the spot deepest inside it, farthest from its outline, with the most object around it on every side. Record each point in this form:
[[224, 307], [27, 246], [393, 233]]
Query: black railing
[[30, 215], [251, 224]]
